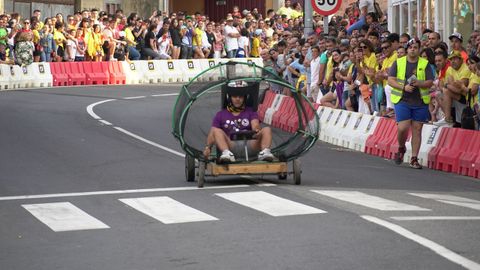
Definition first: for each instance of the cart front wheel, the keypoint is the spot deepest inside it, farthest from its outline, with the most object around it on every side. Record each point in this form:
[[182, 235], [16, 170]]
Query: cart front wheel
[[297, 172], [201, 174], [189, 168]]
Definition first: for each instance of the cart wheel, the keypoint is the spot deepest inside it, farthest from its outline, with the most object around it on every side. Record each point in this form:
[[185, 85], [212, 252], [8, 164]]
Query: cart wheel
[[282, 176], [201, 173], [189, 168], [297, 172]]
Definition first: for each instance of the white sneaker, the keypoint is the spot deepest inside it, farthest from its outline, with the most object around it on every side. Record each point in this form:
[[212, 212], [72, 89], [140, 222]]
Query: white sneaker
[[443, 122], [227, 156], [265, 155]]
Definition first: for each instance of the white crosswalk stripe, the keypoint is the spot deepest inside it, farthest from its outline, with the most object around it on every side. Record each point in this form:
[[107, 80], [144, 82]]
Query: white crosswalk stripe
[[369, 201], [269, 203], [450, 199], [64, 216], [167, 210]]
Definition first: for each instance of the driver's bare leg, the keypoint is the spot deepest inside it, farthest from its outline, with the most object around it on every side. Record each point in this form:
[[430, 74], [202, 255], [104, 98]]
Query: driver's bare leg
[[221, 139], [263, 140]]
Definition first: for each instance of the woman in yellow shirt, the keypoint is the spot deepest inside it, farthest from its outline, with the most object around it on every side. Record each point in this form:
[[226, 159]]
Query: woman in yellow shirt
[[297, 11], [331, 80], [94, 47], [60, 41]]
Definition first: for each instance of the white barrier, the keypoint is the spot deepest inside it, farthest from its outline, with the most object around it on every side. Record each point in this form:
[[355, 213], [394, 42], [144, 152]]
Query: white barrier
[[430, 136], [277, 101], [133, 74], [347, 134], [41, 74], [365, 128], [346, 128], [329, 122], [152, 71], [333, 126], [17, 78], [170, 71], [5, 77], [190, 68]]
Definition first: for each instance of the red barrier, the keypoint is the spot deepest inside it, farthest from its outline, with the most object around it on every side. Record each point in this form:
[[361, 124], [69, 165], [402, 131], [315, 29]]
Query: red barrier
[[307, 115], [286, 104], [433, 154], [96, 74], [393, 148], [457, 141], [383, 127], [467, 159], [289, 113], [476, 168], [267, 103], [59, 74], [384, 143], [117, 76], [75, 72]]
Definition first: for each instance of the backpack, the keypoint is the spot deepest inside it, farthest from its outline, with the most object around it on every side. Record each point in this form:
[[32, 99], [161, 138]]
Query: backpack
[[468, 115]]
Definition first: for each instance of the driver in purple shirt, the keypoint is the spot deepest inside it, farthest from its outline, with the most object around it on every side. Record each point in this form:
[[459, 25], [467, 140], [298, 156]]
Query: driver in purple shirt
[[234, 119]]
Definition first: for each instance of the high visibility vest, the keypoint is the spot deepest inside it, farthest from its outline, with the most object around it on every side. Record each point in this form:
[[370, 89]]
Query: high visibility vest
[[421, 75]]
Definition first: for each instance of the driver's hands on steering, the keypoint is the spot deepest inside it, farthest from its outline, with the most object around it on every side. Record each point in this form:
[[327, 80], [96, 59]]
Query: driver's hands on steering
[[257, 133]]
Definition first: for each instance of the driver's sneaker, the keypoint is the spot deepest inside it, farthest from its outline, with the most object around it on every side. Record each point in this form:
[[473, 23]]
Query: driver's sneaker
[[414, 163], [265, 155], [227, 157]]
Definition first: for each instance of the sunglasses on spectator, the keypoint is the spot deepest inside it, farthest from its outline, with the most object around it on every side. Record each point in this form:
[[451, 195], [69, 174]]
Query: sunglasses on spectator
[[363, 47], [385, 47]]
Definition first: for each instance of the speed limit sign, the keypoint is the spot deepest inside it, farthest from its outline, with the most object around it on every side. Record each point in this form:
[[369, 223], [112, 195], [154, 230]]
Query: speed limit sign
[[326, 7]]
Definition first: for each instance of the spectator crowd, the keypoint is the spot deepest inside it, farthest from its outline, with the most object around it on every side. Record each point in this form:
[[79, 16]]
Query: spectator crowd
[[347, 67]]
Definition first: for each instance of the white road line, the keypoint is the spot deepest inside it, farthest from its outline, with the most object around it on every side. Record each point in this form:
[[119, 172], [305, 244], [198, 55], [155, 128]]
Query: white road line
[[91, 106], [165, 95], [421, 218], [95, 116], [110, 192], [105, 122], [150, 142], [440, 250], [450, 199], [370, 201], [167, 210], [138, 97], [64, 216], [269, 204]]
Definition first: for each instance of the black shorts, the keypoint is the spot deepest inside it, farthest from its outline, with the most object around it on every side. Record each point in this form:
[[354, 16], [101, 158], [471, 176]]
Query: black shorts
[[60, 51]]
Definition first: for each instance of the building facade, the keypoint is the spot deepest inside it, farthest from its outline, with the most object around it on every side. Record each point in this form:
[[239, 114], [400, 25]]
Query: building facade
[[443, 16], [50, 8]]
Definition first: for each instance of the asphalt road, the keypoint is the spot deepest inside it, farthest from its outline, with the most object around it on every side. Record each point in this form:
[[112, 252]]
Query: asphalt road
[[116, 170]]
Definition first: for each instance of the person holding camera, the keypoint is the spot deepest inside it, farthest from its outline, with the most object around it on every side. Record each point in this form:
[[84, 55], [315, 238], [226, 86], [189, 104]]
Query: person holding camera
[[410, 79]]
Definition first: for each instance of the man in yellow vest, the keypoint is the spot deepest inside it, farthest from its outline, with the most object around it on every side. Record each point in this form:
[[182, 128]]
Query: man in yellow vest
[[410, 78]]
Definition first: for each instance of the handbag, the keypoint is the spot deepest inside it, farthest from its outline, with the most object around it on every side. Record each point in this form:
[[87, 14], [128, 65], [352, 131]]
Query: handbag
[[468, 115]]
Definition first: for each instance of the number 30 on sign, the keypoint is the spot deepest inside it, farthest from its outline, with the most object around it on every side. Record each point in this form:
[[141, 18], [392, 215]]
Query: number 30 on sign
[[326, 7]]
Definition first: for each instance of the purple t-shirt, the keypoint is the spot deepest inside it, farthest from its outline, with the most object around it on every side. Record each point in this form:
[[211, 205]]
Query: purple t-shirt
[[232, 124]]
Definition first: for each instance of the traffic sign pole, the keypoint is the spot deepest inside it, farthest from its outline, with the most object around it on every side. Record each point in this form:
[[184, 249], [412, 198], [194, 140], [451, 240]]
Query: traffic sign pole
[[307, 18]]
